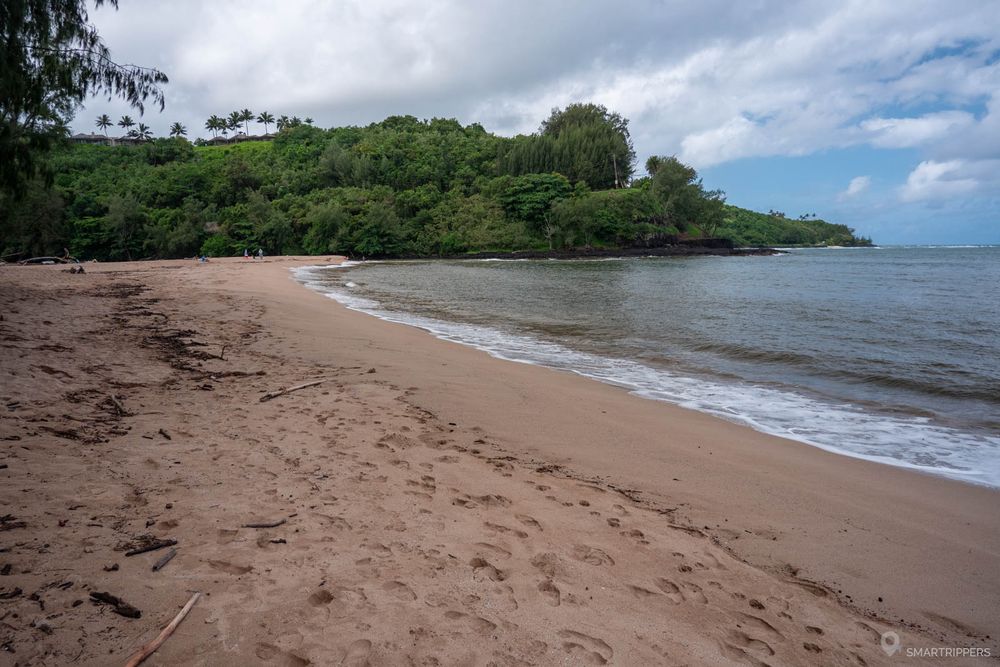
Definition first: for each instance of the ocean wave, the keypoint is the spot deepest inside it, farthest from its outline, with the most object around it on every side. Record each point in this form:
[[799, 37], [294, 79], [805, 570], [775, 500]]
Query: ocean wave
[[911, 442]]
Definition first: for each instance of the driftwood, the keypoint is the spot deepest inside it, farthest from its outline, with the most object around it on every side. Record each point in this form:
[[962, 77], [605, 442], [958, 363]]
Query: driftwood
[[120, 606], [165, 434], [152, 546], [10, 522], [226, 374], [281, 392], [118, 405], [151, 647], [162, 563], [267, 524]]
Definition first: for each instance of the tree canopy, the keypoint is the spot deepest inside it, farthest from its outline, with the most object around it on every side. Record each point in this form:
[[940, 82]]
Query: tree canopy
[[51, 60], [401, 187]]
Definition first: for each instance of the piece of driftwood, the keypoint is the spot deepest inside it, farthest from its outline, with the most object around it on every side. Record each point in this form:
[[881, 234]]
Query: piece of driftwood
[[267, 524], [10, 522], [281, 392], [162, 563], [118, 405], [151, 647], [165, 434], [152, 546], [120, 606]]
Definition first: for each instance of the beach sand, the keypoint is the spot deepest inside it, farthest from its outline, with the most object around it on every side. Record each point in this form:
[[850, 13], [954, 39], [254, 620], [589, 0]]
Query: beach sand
[[439, 506]]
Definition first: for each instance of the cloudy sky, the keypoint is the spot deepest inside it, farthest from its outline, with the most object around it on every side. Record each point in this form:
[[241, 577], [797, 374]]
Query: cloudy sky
[[884, 115]]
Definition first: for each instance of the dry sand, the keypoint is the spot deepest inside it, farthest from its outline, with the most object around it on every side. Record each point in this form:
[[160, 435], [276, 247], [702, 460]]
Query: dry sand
[[440, 506]]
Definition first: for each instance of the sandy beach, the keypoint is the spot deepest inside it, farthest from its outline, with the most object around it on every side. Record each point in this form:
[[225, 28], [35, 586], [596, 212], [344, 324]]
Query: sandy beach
[[434, 505]]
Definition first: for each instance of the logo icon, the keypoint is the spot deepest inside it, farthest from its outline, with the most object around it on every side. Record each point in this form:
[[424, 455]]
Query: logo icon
[[890, 643]]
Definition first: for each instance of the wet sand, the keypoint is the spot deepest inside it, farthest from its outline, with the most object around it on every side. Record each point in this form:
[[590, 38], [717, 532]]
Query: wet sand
[[440, 506]]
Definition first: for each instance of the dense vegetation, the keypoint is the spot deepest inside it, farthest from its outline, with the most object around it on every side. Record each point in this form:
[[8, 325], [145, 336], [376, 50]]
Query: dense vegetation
[[749, 228], [395, 188]]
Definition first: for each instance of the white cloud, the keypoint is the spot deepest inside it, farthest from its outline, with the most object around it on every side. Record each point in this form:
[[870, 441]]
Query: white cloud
[[937, 180], [710, 81], [858, 185], [911, 132]]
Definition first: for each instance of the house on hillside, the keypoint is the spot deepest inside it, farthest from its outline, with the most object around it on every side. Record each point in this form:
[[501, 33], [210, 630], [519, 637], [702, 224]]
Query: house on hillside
[[101, 140], [82, 138]]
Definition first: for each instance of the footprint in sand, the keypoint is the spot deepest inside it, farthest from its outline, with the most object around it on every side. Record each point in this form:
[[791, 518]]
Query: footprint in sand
[[592, 555], [274, 655], [475, 623], [670, 589], [551, 592], [357, 653], [225, 535], [642, 593], [320, 598], [694, 593], [548, 564], [493, 549], [400, 591], [528, 521], [499, 528], [481, 568], [759, 624], [229, 568], [586, 649], [751, 645]]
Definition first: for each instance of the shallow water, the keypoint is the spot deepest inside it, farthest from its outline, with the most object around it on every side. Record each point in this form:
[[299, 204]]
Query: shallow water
[[890, 354]]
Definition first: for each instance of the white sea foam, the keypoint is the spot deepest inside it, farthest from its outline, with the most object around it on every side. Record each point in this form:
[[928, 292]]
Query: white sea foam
[[913, 442]]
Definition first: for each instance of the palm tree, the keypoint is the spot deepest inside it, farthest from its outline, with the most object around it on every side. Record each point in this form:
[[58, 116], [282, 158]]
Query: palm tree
[[212, 125], [234, 120], [142, 133], [104, 122], [178, 130], [265, 119], [309, 121], [295, 121], [282, 123], [246, 116], [125, 123]]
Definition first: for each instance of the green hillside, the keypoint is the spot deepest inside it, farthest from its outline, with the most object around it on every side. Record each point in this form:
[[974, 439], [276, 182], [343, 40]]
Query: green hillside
[[402, 187], [750, 228]]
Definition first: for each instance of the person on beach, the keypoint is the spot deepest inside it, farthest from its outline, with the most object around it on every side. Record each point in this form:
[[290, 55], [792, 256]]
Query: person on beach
[[260, 253], [246, 253]]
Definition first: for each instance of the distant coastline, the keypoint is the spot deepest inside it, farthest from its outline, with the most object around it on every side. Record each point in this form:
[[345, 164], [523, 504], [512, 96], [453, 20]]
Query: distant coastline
[[692, 248]]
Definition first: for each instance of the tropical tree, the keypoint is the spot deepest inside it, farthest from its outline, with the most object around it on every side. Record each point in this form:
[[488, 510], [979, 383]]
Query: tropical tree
[[246, 116], [52, 59], [177, 130], [234, 120], [212, 125], [308, 121], [142, 133], [104, 122], [265, 119], [282, 122], [126, 123]]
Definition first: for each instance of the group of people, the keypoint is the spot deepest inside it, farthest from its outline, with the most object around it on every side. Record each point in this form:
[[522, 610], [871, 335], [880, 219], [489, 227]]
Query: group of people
[[246, 255]]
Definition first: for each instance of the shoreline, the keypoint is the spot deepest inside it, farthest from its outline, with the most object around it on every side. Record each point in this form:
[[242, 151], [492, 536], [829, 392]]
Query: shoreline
[[478, 337], [876, 496], [796, 530]]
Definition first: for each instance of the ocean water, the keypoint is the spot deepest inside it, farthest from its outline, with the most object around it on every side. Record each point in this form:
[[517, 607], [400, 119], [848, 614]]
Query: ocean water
[[888, 354]]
